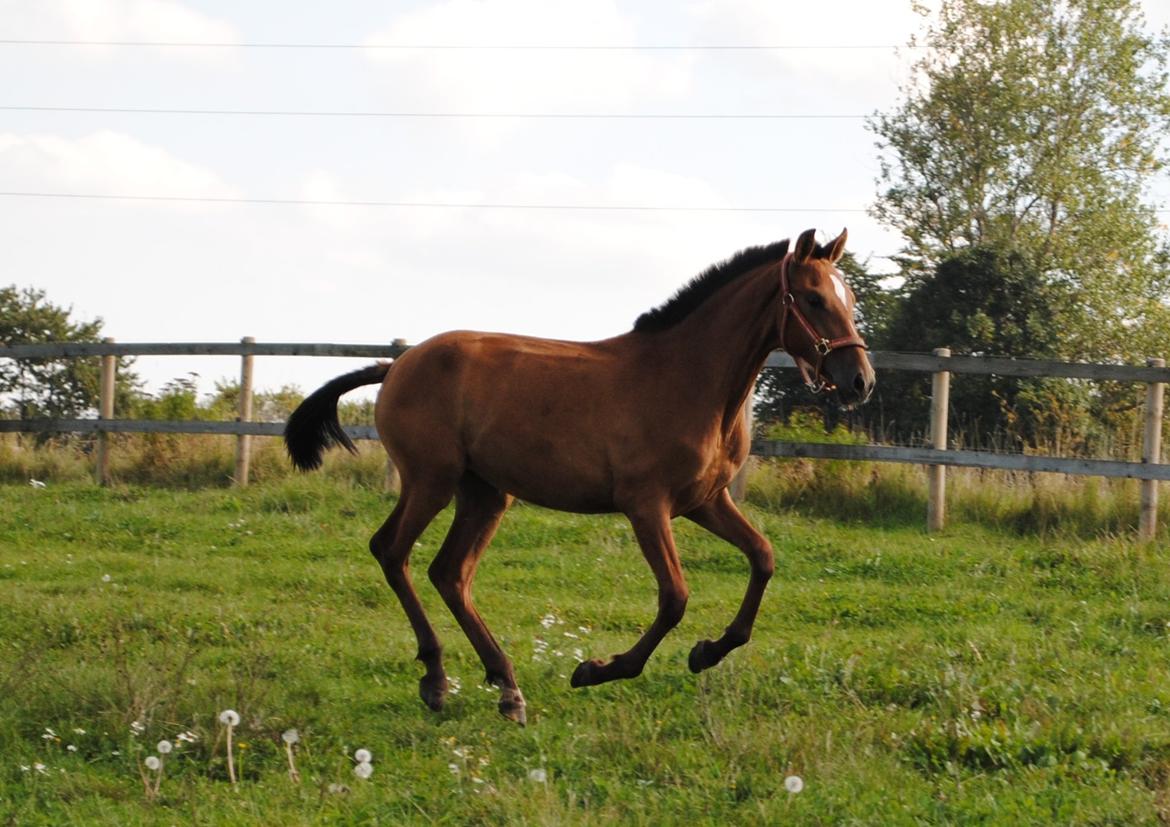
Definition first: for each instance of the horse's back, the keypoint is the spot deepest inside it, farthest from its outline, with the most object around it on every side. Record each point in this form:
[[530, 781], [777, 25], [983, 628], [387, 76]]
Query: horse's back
[[538, 418]]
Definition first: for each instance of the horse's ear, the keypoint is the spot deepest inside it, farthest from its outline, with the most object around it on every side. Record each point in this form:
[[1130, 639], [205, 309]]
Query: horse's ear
[[806, 245], [836, 247]]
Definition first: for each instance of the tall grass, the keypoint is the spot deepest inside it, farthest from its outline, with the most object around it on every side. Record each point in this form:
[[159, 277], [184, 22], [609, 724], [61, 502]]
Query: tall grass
[[186, 461], [879, 493]]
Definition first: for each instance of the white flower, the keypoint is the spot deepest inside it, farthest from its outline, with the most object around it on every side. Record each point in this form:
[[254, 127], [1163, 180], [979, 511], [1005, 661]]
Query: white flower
[[794, 784], [36, 484], [362, 756], [188, 737], [539, 775], [548, 621], [71, 748], [39, 767], [229, 717], [165, 747], [152, 762], [454, 768], [363, 770], [78, 730], [137, 727], [290, 736]]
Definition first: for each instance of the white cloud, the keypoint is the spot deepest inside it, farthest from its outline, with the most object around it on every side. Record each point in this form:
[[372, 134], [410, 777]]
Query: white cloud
[[120, 20], [847, 73], [524, 80], [103, 162]]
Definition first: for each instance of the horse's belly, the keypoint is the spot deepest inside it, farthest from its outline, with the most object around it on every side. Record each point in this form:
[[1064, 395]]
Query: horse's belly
[[546, 480]]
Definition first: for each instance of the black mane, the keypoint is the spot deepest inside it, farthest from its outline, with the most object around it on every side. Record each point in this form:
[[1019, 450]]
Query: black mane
[[706, 284]]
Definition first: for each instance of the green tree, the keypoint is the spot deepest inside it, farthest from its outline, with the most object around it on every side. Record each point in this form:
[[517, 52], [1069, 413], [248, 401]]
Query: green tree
[[984, 302], [1036, 126], [50, 387]]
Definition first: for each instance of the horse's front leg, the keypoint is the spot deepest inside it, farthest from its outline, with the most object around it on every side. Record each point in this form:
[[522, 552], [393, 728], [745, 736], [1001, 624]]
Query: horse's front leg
[[652, 529], [722, 518]]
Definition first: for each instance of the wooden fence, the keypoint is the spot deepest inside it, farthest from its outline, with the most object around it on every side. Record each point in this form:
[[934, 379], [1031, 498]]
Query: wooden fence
[[941, 364]]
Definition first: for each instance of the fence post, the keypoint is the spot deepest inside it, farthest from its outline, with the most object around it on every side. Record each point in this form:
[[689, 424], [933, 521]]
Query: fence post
[[393, 479], [738, 486], [940, 391], [1151, 453], [106, 389], [244, 441]]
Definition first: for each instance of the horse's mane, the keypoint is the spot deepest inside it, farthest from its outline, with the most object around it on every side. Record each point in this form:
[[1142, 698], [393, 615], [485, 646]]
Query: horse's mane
[[691, 295]]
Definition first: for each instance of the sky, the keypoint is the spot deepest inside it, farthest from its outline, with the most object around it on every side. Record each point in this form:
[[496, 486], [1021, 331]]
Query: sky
[[425, 260]]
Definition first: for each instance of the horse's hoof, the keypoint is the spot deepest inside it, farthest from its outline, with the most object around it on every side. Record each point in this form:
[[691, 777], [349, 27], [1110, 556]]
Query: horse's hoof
[[585, 674], [512, 706], [433, 691], [701, 657]]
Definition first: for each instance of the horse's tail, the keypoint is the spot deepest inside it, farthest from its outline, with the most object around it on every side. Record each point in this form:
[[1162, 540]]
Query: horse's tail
[[314, 426]]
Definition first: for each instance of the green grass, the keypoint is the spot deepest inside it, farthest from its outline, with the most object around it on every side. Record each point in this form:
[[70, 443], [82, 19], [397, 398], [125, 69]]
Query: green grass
[[974, 677]]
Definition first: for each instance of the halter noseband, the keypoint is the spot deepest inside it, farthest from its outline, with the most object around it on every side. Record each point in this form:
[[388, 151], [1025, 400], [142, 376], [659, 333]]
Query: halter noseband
[[823, 347]]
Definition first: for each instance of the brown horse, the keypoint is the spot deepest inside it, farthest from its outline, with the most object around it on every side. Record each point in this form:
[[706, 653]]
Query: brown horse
[[650, 424]]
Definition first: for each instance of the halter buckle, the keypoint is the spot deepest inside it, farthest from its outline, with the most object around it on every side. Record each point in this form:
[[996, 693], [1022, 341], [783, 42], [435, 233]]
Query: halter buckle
[[823, 347]]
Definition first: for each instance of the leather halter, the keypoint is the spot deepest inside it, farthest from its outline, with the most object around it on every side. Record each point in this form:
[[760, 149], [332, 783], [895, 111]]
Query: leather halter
[[817, 382]]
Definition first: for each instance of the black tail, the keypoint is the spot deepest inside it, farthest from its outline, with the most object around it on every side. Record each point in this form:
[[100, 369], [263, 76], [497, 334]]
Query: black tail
[[313, 426]]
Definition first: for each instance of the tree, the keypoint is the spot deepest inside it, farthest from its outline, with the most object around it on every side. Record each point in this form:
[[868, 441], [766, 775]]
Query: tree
[[50, 387], [1035, 126], [986, 302]]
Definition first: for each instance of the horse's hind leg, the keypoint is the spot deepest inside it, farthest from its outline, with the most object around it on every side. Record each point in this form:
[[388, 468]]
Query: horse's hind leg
[[478, 510], [391, 545], [722, 518], [652, 529]]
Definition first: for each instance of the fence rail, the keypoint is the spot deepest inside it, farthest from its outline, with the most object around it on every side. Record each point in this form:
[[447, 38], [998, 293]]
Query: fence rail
[[940, 365]]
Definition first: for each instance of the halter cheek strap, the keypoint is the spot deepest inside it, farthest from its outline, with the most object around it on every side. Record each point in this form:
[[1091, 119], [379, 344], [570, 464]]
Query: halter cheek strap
[[823, 346]]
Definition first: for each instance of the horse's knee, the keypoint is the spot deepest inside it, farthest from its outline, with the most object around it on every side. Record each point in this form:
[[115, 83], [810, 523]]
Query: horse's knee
[[672, 605], [761, 558]]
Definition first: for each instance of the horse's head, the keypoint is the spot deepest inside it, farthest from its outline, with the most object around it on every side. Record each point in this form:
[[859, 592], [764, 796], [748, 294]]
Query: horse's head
[[816, 321]]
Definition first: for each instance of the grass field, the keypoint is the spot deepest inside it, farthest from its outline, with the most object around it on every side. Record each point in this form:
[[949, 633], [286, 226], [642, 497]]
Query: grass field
[[975, 677]]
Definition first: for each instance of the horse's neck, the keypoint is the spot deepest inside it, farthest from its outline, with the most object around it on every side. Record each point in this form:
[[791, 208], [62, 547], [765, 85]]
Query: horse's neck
[[725, 341]]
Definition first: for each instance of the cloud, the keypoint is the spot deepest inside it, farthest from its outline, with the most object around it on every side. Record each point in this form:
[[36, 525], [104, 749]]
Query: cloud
[[524, 80], [103, 162], [850, 74], [120, 20]]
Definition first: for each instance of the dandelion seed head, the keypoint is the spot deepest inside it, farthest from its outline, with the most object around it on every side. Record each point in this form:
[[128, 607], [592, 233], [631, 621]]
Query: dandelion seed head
[[794, 784], [229, 717], [106, 578], [362, 756], [164, 747], [152, 762], [538, 775], [363, 770], [290, 737]]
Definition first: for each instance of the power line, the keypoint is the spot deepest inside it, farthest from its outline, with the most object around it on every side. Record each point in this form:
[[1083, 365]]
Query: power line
[[497, 205], [455, 47], [129, 110], [439, 205]]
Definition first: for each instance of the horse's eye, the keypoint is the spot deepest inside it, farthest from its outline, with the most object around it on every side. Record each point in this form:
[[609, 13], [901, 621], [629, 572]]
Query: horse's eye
[[815, 300]]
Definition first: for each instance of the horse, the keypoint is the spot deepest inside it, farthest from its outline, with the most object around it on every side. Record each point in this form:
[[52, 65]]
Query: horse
[[649, 424]]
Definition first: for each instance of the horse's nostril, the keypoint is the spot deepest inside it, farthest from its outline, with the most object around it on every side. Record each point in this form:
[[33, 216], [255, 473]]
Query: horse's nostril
[[859, 384]]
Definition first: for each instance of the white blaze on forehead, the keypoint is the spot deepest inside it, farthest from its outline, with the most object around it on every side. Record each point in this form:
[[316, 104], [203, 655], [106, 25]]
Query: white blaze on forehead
[[839, 289]]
